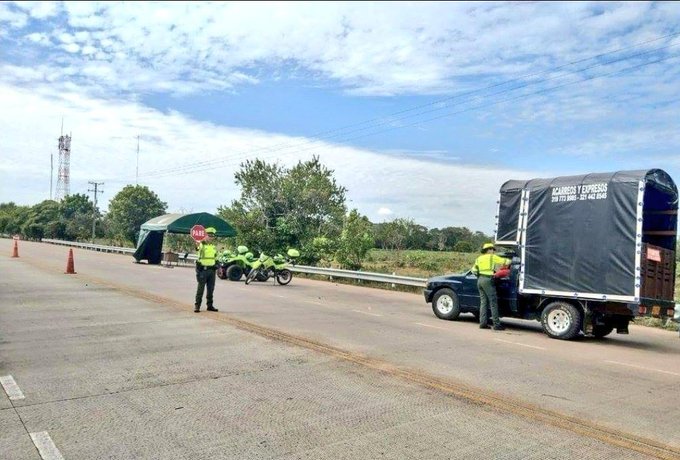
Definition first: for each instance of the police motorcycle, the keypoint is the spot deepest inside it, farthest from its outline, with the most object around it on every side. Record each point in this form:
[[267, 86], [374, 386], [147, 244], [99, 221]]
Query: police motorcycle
[[233, 266], [273, 267]]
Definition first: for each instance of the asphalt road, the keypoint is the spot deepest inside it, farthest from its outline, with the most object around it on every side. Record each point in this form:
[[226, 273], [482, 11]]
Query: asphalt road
[[112, 363]]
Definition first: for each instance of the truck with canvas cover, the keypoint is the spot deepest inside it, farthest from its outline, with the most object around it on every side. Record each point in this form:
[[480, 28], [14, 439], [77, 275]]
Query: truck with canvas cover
[[589, 253]]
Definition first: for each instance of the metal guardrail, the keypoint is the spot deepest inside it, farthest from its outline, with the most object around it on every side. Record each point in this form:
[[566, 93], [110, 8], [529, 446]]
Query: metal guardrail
[[93, 247], [363, 276], [330, 272]]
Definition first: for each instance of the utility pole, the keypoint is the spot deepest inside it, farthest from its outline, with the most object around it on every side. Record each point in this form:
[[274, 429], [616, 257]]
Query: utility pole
[[51, 172], [137, 175], [96, 191]]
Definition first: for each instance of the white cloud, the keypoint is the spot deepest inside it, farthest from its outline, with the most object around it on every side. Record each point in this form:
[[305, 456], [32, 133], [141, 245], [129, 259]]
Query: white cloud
[[384, 212], [71, 48], [39, 38], [104, 149], [12, 17], [79, 65], [39, 10], [369, 48], [620, 142]]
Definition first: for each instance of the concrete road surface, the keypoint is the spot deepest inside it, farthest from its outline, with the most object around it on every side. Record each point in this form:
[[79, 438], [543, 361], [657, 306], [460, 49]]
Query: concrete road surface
[[112, 363]]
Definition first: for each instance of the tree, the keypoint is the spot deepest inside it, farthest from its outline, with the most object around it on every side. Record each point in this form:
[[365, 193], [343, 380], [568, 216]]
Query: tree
[[78, 203], [322, 251], [77, 212], [13, 217], [131, 207], [282, 207], [355, 241], [39, 217], [394, 235], [464, 246]]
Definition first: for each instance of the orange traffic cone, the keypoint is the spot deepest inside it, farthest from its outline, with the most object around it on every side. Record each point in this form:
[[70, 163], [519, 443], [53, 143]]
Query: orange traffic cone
[[70, 269], [15, 253]]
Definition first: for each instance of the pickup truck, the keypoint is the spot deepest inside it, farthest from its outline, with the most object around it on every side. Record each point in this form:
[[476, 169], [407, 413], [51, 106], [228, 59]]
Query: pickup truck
[[589, 254]]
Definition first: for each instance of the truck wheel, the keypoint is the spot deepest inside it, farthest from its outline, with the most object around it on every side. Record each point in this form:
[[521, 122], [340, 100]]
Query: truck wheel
[[445, 304], [561, 320], [602, 331], [234, 273]]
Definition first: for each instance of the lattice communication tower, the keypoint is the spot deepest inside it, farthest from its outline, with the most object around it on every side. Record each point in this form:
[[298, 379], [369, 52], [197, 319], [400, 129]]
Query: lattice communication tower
[[64, 177]]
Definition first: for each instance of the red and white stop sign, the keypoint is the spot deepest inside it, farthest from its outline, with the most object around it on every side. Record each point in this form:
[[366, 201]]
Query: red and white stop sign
[[198, 232]]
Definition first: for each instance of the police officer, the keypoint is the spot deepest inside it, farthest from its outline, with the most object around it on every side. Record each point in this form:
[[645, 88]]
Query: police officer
[[205, 270], [484, 268]]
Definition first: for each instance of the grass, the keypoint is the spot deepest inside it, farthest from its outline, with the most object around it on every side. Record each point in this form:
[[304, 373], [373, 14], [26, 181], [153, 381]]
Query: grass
[[656, 322], [421, 264]]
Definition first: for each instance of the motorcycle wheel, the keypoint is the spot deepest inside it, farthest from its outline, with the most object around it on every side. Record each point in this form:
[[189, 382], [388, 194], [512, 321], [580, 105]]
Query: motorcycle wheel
[[251, 276], [284, 276], [221, 272], [234, 273]]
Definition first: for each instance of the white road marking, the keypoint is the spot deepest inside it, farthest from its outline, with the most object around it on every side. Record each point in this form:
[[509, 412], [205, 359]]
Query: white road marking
[[366, 313], [520, 344], [434, 327], [643, 368], [45, 446], [11, 388]]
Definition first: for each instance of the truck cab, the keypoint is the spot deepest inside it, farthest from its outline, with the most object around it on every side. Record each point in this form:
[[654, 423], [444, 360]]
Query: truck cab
[[465, 295]]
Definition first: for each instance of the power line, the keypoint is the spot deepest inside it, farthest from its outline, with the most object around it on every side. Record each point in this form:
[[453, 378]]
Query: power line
[[386, 119], [193, 168], [381, 121]]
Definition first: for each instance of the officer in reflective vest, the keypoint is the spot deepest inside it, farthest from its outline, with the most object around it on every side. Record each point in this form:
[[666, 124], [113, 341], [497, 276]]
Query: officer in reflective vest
[[205, 270], [485, 267]]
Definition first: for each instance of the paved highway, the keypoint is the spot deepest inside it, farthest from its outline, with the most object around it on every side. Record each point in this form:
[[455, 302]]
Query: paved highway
[[112, 363]]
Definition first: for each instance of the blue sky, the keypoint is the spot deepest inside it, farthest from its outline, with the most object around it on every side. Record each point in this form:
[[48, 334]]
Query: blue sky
[[422, 109]]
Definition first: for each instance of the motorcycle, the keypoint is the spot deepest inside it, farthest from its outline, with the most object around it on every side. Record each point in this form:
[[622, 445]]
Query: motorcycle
[[273, 267], [233, 266]]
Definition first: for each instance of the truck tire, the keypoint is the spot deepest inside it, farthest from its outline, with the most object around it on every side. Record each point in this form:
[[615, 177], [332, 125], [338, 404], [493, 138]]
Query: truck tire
[[445, 304], [602, 331], [234, 273], [561, 320]]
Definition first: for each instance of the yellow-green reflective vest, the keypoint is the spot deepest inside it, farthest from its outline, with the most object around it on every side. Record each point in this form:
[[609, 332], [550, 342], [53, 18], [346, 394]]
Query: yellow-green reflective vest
[[486, 264], [206, 254]]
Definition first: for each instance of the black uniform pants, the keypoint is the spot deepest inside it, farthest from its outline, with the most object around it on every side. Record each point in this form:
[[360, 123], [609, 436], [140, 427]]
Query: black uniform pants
[[205, 275]]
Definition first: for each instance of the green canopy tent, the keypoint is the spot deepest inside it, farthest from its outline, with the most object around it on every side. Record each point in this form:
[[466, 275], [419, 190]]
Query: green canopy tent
[[150, 240]]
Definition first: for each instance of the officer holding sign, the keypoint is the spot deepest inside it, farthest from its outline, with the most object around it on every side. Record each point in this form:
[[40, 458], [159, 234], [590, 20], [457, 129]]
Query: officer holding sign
[[206, 265]]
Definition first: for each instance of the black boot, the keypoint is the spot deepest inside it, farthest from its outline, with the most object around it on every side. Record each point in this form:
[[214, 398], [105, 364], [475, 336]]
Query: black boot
[[211, 308], [197, 308]]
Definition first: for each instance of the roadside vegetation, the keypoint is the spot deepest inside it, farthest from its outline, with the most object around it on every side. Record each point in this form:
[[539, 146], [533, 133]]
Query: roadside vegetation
[[418, 263], [301, 207]]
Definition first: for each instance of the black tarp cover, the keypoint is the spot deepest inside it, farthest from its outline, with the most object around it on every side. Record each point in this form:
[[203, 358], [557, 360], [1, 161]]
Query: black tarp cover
[[581, 235], [150, 240]]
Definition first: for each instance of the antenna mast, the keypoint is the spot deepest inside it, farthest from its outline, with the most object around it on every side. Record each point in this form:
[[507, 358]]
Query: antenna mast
[[64, 174]]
